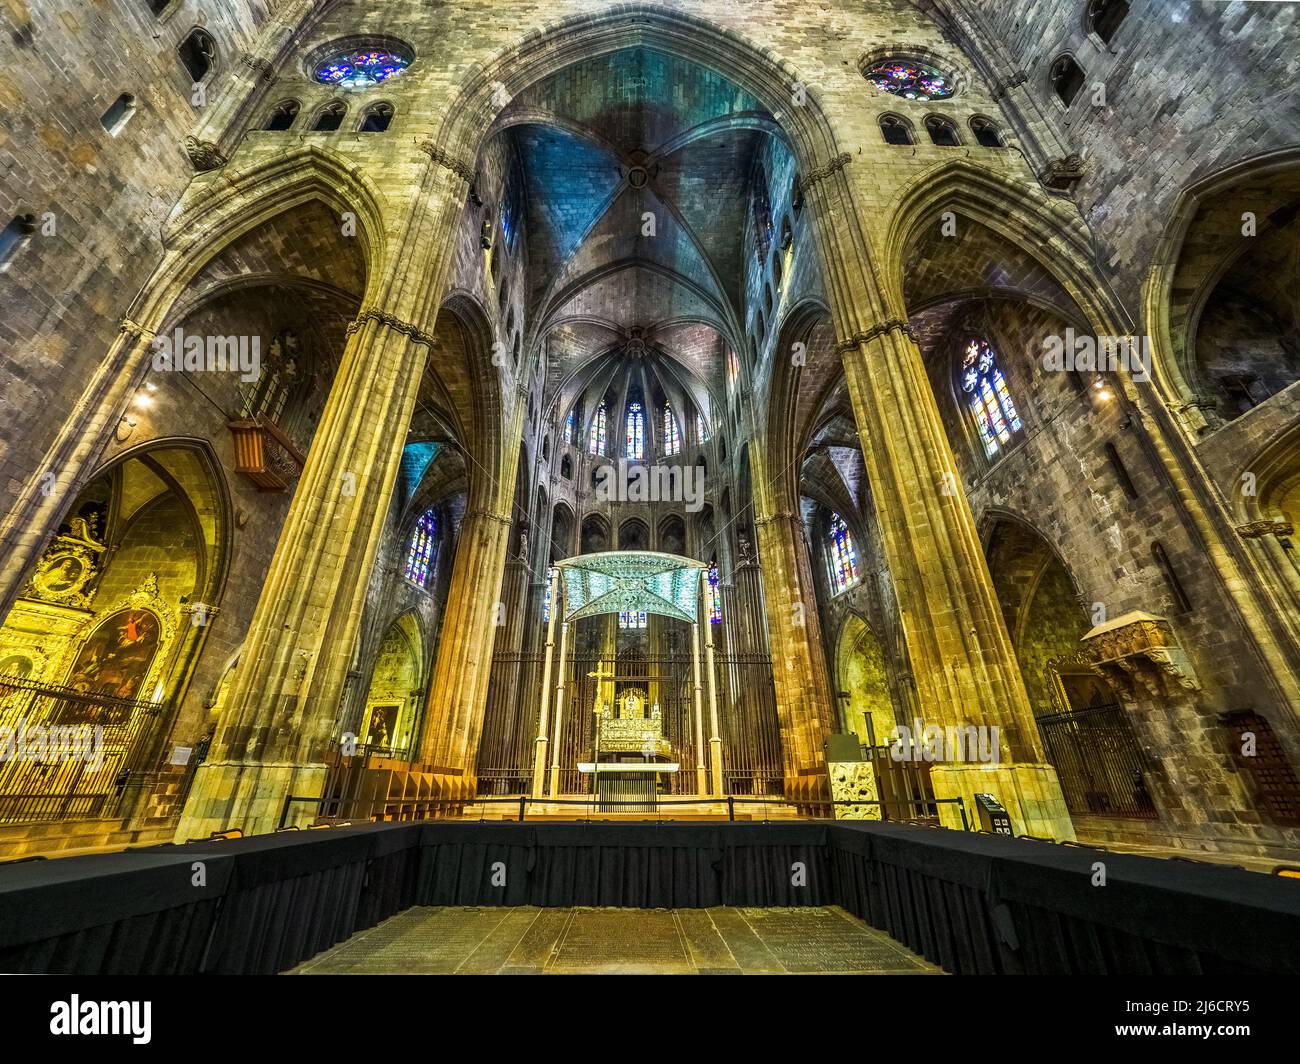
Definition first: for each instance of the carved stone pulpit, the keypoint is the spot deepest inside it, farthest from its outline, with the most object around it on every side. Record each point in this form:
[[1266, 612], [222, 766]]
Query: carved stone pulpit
[[1141, 649]]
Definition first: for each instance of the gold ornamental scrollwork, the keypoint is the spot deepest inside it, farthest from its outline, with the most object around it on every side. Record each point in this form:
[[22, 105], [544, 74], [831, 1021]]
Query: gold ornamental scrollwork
[[68, 566]]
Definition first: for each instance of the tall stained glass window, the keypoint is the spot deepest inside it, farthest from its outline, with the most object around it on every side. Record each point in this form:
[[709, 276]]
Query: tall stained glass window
[[672, 438], [714, 594], [699, 427], [569, 427], [635, 432], [632, 619], [419, 559], [763, 225], [844, 556], [510, 216], [596, 442], [990, 402]]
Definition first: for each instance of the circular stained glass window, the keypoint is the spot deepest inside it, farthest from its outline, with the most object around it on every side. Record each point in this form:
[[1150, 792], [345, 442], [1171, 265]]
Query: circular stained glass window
[[912, 81], [359, 70]]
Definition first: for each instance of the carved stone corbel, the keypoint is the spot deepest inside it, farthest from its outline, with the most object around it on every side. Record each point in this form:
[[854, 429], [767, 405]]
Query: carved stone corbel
[[1063, 174], [1259, 529], [203, 154]]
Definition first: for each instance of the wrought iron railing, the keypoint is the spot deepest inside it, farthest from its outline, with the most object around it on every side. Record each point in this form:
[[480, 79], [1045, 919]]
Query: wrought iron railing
[[750, 732], [332, 810], [66, 754]]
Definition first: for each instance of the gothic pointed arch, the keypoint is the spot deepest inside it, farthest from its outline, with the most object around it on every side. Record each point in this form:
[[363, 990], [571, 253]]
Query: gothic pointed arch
[[1212, 252], [1021, 215]]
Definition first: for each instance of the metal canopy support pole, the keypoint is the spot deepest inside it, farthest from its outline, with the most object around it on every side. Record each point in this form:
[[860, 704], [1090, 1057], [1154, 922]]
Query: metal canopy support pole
[[559, 709], [715, 739], [701, 783], [539, 752]]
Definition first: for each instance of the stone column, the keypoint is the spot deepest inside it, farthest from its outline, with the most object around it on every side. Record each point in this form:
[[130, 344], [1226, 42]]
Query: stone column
[[803, 695], [966, 672], [715, 736], [280, 714], [458, 694], [561, 685], [701, 786], [539, 754]]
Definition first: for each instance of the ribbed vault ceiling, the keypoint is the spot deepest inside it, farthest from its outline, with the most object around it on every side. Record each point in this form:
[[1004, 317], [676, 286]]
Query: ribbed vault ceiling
[[601, 145]]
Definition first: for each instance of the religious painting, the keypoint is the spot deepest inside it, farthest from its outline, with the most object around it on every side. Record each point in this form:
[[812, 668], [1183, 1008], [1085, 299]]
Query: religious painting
[[381, 726], [114, 661], [61, 575]]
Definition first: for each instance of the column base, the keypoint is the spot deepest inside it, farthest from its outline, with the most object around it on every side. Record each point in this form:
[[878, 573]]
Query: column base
[[715, 762], [248, 795], [539, 766], [1031, 793]]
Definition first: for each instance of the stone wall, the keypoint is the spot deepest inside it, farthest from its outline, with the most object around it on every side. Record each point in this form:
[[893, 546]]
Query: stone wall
[[99, 199], [1170, 117]]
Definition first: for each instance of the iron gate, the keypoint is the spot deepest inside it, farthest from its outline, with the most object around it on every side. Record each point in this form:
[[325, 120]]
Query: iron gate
[[1101, 767]]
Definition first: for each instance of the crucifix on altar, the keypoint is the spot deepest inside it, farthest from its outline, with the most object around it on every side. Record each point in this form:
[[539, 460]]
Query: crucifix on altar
[[630, 754]]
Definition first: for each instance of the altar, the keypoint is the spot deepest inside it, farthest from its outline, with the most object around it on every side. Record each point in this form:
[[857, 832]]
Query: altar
[[631, 756], [627, 786]]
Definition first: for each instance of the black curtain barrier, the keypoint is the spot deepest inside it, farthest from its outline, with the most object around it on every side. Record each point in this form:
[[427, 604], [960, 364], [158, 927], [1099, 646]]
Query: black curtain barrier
[[971, 903]]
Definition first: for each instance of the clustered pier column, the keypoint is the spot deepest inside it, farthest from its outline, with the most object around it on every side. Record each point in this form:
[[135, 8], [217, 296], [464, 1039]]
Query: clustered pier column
[[966, 672], [803, 696], [277, 728], [281, 714]]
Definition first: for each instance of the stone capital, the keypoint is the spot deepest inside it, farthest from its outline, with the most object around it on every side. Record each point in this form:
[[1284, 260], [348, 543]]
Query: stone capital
[[260, 68], [1258, 529], [487, 515], [134, 330], [879, 329], [1017, 78], [815, 176], [393, 322]]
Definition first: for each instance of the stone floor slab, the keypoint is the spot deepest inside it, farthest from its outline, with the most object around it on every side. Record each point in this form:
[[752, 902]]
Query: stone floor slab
[[603, 941]]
